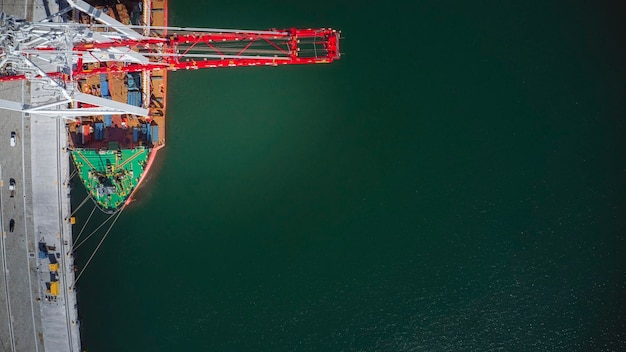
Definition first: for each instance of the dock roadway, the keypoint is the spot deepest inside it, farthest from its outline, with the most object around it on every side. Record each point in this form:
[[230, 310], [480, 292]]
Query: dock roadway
[[30, 318]]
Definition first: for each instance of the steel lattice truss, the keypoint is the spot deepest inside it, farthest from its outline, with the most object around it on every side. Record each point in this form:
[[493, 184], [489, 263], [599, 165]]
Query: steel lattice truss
[[57, 53]]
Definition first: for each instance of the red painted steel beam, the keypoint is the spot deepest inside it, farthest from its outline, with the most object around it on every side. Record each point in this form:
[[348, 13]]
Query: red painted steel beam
[[194, 65], [221, 37], [118, 43], [290, 39]]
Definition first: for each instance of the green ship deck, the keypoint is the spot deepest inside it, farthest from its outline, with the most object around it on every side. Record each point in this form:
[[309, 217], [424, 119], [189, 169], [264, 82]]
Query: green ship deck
[[111, 175]]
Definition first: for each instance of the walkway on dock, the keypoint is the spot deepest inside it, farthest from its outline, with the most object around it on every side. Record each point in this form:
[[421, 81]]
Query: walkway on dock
[[31, 318]]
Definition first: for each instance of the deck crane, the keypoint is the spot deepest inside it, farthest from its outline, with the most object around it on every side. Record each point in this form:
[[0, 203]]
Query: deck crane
[[58, 53]]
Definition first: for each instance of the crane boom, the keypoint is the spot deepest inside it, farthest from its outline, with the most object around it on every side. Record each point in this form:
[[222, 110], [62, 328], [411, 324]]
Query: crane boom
[[58, 53], [183, 49]]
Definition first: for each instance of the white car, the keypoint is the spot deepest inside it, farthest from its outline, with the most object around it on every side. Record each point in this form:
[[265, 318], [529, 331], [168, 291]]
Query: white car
[[12, 187], [13, 139]]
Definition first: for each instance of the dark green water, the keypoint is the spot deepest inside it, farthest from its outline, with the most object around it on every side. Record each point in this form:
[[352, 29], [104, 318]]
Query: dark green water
[[455, 183]]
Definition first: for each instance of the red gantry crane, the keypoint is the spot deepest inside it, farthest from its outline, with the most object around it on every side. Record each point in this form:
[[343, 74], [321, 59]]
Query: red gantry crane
[[59, 52]]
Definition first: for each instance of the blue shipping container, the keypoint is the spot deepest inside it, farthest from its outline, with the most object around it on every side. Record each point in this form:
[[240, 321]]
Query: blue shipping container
[[99, 131], [134, 98], [108, 120], [104, 85], [155, 134], [135, 134], [148, 134]]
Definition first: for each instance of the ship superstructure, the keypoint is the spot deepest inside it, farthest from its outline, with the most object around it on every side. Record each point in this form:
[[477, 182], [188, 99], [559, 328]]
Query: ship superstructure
[[106, 72]]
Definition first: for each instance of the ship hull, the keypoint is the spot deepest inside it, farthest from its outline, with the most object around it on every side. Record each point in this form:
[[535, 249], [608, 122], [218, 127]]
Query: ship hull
[[113, 153]]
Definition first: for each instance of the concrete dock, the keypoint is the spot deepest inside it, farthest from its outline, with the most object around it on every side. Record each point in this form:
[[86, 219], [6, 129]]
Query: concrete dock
[[32, 317]]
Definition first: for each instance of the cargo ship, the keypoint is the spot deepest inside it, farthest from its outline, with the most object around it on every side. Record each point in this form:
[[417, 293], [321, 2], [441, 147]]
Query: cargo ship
[[103, 68], [112, 154]]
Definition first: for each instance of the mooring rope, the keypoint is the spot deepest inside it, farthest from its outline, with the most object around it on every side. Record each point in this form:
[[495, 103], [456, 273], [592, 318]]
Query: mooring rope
[[99, 244], [71, 175], [80, 205], [86, 222], [91, 234]]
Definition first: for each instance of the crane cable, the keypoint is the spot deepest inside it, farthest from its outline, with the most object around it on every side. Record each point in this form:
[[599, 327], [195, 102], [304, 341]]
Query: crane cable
[[98, 246]]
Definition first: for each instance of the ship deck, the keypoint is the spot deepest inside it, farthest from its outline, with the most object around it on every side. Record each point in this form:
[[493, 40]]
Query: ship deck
[[153, 86], [123, 168], [113, 153]]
